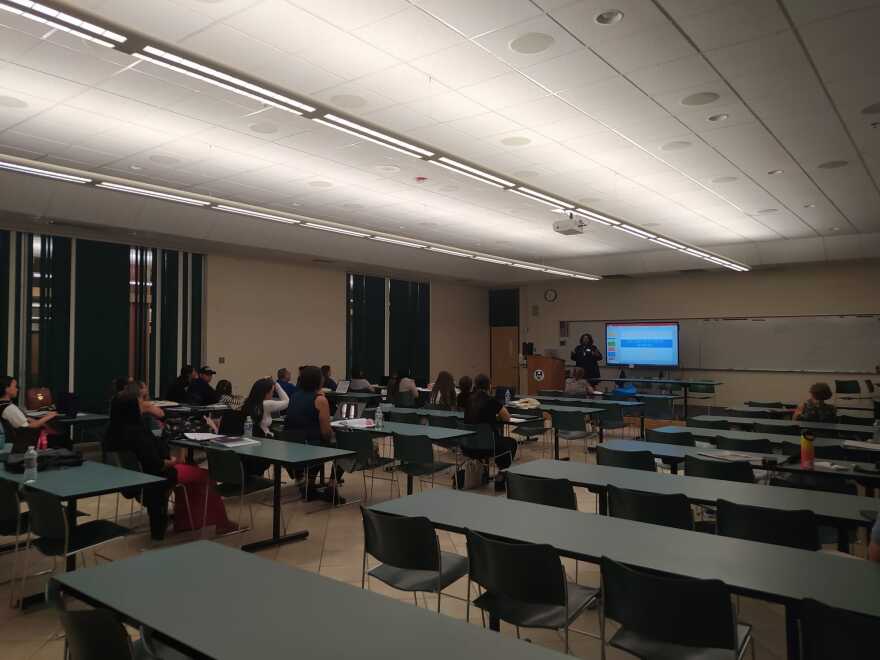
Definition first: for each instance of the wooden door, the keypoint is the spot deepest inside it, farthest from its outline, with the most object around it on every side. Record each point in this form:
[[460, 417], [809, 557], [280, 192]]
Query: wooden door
[[505, 353]]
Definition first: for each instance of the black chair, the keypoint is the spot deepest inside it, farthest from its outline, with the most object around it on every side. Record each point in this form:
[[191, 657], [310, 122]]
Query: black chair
[[719, 469], [635, 460], [410, 554], [765, 404], [680, 438], [20, 439], [525, 584], [830, 633], [549, 492], [404, 400], [13, 522], [662, 618], [718, 424], [414, 456], [611, 418], [95, 635], [365, 458], [795, 529], [853, 419], [232, 423], [667, 510], [752, 414], [658, 408], [782, 429], [570, 426], [227, 470], [442, 421], [406, 417], [48, 522], [759, 445], [481, 445], [847, 387]]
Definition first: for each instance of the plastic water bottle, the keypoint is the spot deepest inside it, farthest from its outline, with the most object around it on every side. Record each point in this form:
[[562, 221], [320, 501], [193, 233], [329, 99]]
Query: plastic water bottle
[[876, 431], [30, 465], [507, 397], [248, 431], [380, 417], [808, 452]]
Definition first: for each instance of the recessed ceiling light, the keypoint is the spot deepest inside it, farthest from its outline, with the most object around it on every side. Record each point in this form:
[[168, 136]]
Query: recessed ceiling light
[[776, 172], [809, 206], [531, 42], [159, 159], [835, 229], [609, 17], [526, 174], [873, 109], [675, 145], [833, 164], [348, 101], [767, 211], [320, 184], [700, 98], [265, 127], [720, 117], [724, 179], [515, 141], [387, 169], [12, 102]]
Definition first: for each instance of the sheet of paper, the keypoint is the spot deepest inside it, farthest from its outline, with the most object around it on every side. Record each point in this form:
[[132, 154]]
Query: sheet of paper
[[201, 437]]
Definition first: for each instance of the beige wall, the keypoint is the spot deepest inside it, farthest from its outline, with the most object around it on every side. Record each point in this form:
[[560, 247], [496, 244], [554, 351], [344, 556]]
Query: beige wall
[[829, 288], [261, 315]]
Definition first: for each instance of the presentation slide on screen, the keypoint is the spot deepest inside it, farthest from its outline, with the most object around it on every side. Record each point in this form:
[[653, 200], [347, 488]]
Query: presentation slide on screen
[[649, 344]]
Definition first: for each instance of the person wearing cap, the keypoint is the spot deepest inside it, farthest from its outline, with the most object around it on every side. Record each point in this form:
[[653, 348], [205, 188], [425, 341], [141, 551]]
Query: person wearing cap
[[200, 391]]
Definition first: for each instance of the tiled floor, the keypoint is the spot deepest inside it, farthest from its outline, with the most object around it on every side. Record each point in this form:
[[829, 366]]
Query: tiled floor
[[334, 549]]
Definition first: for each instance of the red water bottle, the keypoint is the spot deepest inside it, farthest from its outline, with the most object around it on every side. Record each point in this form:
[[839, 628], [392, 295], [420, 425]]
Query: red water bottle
[[808, 452], [43, 440]]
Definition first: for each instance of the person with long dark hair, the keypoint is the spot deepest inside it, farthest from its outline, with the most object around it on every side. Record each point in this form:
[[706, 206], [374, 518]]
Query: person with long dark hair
[[483, 408], [179, 390], [11, 414], [587, 357], [465, 386], [443, 393], [259, 404]]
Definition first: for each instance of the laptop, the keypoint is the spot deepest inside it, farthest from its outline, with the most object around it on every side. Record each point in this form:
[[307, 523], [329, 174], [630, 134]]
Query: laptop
[[342, 386], [67, 405]]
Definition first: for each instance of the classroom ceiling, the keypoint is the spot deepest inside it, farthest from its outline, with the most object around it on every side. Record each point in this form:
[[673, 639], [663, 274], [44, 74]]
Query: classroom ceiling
[[750, 127]]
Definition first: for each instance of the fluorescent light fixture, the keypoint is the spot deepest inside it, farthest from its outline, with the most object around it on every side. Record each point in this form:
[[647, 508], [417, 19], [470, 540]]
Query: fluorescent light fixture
[[377, 134], [220, 79], [453, 253], [528, 267], [697, 253], [62, 21], [665, 242], [532, 197], [474, 170], [559, 272], [335, 230], [361, 136], [395, 241], [553, 200], [152, 193], [592, 278], [256, 214], [592, 215], [467, 174], [635, 231], [492, 260], [24, 169]]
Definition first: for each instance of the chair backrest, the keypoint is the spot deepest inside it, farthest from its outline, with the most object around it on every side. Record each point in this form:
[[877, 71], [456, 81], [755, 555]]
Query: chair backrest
[[611, 414], [405, 399], [635, 460], [668, 510], [406, 417], [46, 515], [225, 466], [680, 438], [413, 449], [761, 445], [525, 572], [658, 408], [726, 470], [482, 440], [299, 436], [569, 421], [550, 492], [828, 633], [852, 419], [796, 529], [358, 441], [10, 507], [95, 635], [701, 388], [869, 384], [443, 421], [232, 423], [401, 541], [765, 404], [847, 387], [695, 612], [709, 423], [753, 414], [782, 429]]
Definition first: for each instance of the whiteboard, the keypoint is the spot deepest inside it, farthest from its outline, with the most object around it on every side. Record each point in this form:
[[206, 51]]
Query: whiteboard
[[832, 344]]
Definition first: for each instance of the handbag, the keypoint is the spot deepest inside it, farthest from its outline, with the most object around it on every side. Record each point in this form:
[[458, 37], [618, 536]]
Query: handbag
[[472, 474], [49, 459]]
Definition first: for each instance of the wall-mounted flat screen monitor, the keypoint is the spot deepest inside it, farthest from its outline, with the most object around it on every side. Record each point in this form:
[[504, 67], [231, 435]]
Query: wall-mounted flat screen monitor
[[649, 344]]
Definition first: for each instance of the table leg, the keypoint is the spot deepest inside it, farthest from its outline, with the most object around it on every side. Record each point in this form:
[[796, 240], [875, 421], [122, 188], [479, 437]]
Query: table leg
[[643, 423], [71, 523], [843, 539], [602, 498], [673, 467], [601, 433], [494, 623], [409, 484], [556, 444], [276, 539], [685, 390], [792, 636]]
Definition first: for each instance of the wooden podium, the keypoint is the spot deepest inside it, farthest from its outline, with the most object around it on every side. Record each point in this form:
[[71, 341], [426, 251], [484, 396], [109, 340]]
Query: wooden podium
[[545, 373]]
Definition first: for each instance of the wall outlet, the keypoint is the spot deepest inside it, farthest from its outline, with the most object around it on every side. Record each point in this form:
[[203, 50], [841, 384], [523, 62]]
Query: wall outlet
[[221, 360]]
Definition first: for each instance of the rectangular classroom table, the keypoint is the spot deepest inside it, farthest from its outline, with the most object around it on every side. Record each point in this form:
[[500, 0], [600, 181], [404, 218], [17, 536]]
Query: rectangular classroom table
[[280, 454], [759, 570], [73, 424], [599, 402], [684, 384], [773, 413], [210, 601], [840, 511], [709, 435], [549, 407], [857, 429], [353, 396], [456, 414]]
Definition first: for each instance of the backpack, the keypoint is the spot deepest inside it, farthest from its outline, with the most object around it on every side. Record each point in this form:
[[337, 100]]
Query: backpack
[[47, 459]]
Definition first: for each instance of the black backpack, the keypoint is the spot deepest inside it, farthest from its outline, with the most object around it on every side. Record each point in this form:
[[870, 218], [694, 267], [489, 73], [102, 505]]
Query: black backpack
[[47, 459]]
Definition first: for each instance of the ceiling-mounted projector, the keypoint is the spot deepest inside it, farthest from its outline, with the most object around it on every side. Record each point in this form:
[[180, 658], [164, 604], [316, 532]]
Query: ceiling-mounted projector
[[570, 226]]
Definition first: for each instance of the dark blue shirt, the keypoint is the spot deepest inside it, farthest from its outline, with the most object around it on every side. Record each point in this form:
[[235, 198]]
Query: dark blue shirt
[[330, 384], [202, 394], [288, 387], [303, 416]]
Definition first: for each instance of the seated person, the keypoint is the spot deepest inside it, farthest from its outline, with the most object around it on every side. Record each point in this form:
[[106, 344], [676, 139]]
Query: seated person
[[200, 391], [815, 409], [227, 398], [874, 547], [179, 390], [284, 376], [482, 408], [329, 383], [359, 382], [443, 395], [13, 417], [465, 386], [260, 405], [577, 384]]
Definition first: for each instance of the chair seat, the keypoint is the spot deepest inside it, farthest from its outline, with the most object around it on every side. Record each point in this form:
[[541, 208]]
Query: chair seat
[[252, 485], [536, 615], [8, 527], [651, 649], [573, 435], [83, 536], [453, 567], [421, 469]]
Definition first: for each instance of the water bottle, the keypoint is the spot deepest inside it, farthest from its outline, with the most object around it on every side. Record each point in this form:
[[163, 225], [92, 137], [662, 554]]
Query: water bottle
[[876, 438], [30, 465], [506, 397], [380, 417], [808, 452], [248, 431]]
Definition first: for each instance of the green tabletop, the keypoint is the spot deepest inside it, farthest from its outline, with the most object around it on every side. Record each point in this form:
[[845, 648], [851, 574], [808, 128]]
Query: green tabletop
[[86, 480], [457, 414], [709, 435], [774, 412], [858, 429], [772, 572], [399, 428], [677, 452], [549, 407], [276, 451], [662, 381], [828, 506], [354, 396], [81, 418], [589, 400], [215, 602]]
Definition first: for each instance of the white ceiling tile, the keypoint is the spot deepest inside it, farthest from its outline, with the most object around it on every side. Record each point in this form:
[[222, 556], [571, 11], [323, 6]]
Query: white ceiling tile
[[145, 87], [485, 125], [23, 107], [284, 26], [348, 57], [579, 18], [447, 107], [808, 11], [399, 118], [660, 43], [409, 34], [575, 69], [153, 18], [352, 97], [352, 14], [461, 65], [504, 91], [402, 83], [475, 18], [723, 24], [65, 63], [557, 41], [681, 73]]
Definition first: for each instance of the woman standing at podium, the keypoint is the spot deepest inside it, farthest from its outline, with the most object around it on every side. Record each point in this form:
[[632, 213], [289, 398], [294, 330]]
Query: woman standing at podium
[[587, 357]]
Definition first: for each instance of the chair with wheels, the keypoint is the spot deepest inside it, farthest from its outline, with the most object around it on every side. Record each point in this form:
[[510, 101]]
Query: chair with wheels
[[635, 460], [524, 584], [795, 529], [696, 619], [759, 445], [667, 510], [740, 471], [410, 554]]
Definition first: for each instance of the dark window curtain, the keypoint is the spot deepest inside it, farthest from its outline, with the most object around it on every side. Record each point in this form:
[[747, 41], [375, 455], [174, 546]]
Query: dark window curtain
[[503, 308], [365, 331], [169, 265], [102, 320], [4, 301], [141, 277], [48, 347], [409, 327], [196, 300]]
